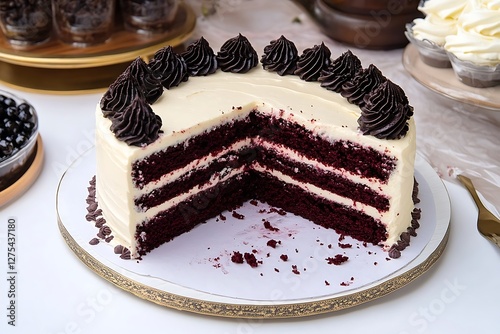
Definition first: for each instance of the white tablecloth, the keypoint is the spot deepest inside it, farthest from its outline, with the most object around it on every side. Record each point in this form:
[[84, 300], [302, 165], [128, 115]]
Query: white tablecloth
[[56, 293]]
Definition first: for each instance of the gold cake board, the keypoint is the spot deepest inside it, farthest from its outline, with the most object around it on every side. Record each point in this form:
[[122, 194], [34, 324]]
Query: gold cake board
[[76, 232]]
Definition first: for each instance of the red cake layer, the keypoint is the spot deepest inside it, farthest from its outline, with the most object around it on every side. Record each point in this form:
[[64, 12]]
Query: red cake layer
[[301, 172], [252, 185], [352, 157]]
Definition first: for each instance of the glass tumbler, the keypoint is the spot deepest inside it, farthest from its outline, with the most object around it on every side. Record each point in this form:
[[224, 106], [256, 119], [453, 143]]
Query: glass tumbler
[[84, 22], [26, 22], [149, 16]]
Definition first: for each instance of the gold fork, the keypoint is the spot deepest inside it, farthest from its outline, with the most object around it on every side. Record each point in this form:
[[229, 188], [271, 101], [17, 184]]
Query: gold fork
[[487, 223]]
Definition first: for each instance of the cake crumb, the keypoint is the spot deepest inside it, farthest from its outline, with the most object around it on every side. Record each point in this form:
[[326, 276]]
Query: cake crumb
[[273, 243], [237, 215], [295, 270], [251, 260], [237, 257], [268, 226], [284, 257], [337, 259]]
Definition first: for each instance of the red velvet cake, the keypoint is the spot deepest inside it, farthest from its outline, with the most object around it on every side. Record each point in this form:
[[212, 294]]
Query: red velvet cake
[[187, 136]]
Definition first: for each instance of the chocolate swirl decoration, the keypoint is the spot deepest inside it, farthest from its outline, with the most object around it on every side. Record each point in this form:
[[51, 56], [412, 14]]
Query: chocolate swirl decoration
[[136, 125], [280, 56], [120, 94], [342, 69], [200, 58], [312, 62], [151, 86], [386, 112], [362, 83], [237, 55], [168, 67]]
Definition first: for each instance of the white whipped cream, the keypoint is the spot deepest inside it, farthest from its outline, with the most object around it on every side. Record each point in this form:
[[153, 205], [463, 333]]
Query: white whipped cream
[[440, 20], [478, 33]]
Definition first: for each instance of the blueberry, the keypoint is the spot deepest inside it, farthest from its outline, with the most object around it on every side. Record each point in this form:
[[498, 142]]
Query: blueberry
[[24, 112], [8, 102], [11, 112], [27, 128], [6, 147], [11, 126], [20, 140]]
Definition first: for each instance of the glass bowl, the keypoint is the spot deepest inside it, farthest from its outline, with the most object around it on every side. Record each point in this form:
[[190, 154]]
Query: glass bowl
[[474, 75], [431, 54], [14, 165]]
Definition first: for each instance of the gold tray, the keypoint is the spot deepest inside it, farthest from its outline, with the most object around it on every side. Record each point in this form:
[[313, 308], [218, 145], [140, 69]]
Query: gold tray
[[444, 82], [58, 67], [224, 294]]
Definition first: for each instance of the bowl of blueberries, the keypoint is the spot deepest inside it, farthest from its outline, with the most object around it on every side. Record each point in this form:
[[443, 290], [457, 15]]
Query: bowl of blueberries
[[18, 137]]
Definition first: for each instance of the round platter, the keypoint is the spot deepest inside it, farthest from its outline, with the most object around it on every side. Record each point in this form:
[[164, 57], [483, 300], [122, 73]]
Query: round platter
[[197, 275], [27, 179], [444, 82], [57, 67]]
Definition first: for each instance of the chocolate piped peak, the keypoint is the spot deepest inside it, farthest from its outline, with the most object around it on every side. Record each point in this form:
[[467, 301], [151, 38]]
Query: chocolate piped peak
[[363, 82], [237, 55], [151, 86], [312, 62], [342, 69], [200, 58], [386, 112], [137, 124], [120, 94], [280, 56], [168, 67]]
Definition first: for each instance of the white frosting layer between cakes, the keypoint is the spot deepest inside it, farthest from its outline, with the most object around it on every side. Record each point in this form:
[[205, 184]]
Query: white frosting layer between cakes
[[203, 103]]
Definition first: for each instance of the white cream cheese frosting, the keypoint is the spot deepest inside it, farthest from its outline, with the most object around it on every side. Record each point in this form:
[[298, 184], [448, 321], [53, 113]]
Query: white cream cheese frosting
[[206, 102], [478, 34]]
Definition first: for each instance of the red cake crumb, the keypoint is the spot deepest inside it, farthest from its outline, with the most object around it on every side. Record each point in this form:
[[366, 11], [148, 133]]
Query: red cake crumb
[[344, 245], [272, 243], [222, 217], [281, 212], [327, 283], [284, 257], [251, 260], [254, 202], [276, 270], [237, 215], [295, 270], [337, 259], [268, 226], [237, 257]]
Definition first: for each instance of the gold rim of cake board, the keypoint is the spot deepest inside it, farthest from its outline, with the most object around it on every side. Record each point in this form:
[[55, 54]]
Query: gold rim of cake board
[[291, 310], [60, 68]]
